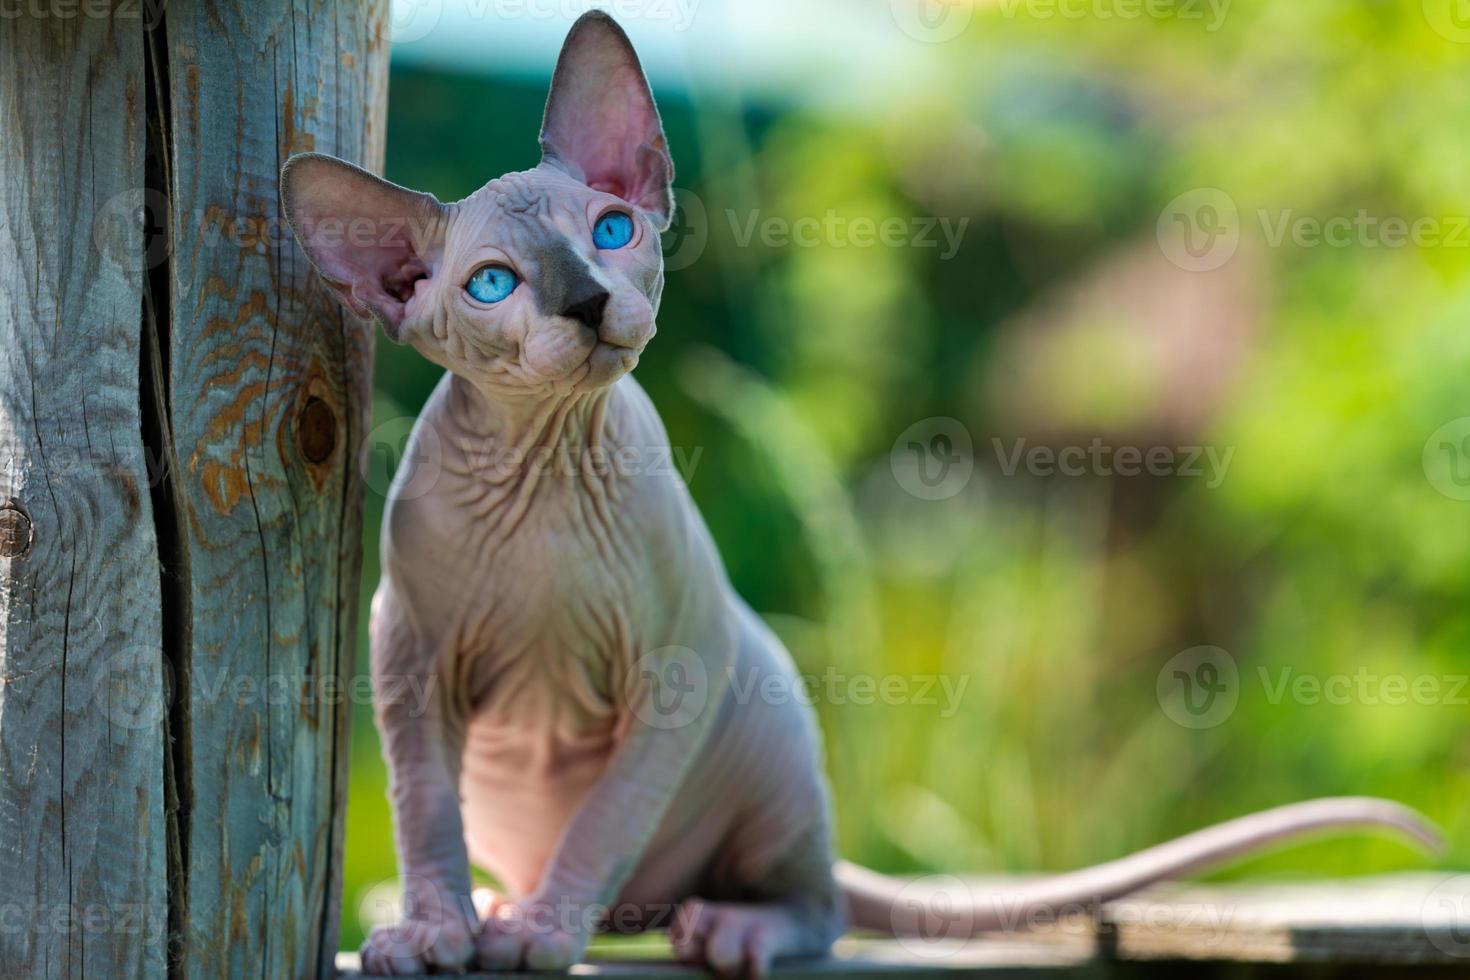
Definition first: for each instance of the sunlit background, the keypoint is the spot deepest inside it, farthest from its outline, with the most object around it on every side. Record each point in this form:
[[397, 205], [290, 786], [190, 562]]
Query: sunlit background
[[1103, 364]]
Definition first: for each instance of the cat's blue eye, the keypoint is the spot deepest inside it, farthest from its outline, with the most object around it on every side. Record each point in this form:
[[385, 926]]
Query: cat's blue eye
[[613, 230], [492, 284]]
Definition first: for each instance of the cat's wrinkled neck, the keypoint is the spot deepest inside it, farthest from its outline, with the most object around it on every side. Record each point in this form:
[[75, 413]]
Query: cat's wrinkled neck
[[527, 436]]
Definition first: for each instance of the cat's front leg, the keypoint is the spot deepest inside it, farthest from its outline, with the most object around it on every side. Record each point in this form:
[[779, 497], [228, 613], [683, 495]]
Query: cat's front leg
[[673, 704], [436, 925]]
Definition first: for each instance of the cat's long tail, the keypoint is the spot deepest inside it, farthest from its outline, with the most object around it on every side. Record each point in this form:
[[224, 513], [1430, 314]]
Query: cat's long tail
[[949, 908]]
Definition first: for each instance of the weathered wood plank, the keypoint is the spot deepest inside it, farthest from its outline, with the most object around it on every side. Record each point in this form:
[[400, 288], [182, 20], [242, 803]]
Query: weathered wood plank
[[270, 388], [1396, 919], [81, 678], [993, 960], [1398, 925]]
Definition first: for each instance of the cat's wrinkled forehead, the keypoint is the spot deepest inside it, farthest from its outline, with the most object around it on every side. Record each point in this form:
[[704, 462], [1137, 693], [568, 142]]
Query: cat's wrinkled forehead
[[531, 203], [537, 218]]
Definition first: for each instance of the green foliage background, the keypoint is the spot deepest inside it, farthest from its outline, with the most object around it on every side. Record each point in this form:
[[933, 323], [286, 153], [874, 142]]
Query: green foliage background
[[787, 374]]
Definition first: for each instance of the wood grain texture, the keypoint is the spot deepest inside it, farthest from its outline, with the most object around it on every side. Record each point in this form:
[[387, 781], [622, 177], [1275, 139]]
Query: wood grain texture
[[269, 389], [81, 662], [1411, 925]]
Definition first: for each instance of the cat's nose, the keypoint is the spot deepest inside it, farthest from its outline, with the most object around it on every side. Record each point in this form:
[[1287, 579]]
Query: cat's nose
[[588, 309]]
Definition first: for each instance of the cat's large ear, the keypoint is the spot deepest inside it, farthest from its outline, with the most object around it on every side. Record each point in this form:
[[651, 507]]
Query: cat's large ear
[[602, 125], [372, 241]]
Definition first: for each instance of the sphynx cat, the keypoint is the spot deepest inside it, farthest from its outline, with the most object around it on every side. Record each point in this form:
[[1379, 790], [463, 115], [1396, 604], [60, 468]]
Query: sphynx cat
[[559, 594]]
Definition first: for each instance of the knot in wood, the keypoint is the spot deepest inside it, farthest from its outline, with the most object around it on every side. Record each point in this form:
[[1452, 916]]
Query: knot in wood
[[16, 531], [316, 430]]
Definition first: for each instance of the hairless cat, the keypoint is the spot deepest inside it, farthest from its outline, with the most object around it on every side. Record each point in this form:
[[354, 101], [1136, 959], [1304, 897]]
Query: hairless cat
[[551, 599]]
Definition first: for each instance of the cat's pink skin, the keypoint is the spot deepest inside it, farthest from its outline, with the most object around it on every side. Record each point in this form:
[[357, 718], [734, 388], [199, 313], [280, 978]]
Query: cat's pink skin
[[538, 598], [557, 587]]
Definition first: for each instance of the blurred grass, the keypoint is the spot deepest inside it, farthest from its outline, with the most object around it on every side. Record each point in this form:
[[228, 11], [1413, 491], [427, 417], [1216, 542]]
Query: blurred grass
[[791, 371]]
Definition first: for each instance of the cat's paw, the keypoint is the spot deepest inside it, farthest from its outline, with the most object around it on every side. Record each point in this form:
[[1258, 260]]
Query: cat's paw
[[742, 941], [528, 936], [432, 929], [416, 946]]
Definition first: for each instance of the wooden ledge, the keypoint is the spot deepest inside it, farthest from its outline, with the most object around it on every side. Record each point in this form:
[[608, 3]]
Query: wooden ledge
[[1410, 925]]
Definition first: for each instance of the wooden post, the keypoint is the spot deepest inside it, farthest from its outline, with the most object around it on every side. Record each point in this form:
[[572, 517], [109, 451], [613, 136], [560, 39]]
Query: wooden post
[[81, 799], [179, 509]]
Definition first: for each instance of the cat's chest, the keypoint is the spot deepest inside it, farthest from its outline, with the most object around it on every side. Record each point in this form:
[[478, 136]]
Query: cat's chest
[[541, 586], [542, 616], [561, 627]]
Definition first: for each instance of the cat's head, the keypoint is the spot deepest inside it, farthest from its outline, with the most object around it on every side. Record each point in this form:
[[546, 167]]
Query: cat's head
[[540, 283]]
